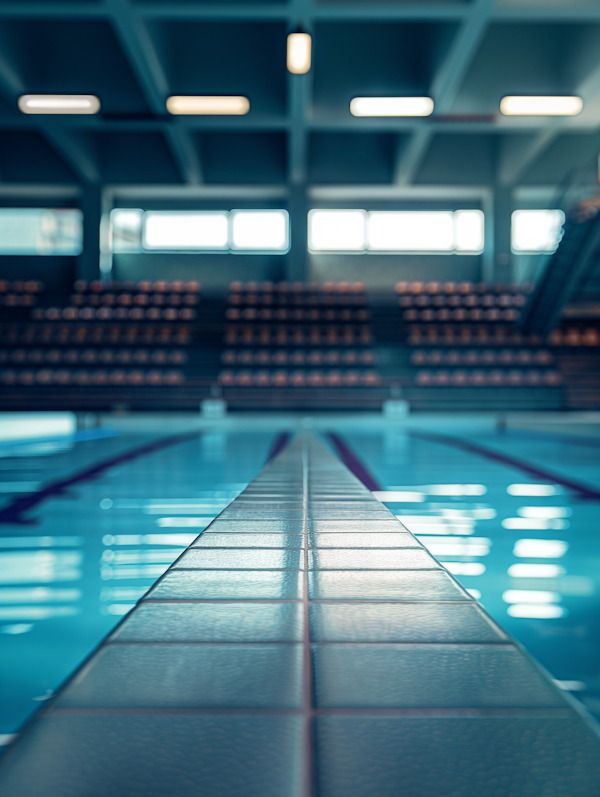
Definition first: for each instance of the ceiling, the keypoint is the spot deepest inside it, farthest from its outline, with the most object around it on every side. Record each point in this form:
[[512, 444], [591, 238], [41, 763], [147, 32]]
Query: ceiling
[[299, 132]]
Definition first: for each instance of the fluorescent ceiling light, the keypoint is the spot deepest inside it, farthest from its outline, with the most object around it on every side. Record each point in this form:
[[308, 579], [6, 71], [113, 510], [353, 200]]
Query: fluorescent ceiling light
[[411, 231], [208, 106], [193, 230], [298, 53], [59, 103], [337, 230], [260, 229], [391, 106], [541, 106], [535, 231]]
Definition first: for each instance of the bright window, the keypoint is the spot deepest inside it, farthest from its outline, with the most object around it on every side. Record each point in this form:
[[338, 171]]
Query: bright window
[[411, 231], [126, 229], [186, 231], [265, 230], [39, 231], [133, 230], [417, 232], [468, 231], [337, 230], [536, 231]]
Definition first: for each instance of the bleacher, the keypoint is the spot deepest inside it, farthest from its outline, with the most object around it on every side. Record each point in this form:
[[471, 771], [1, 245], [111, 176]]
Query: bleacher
[[300, 340], [115, 336], [288, 345], [464, 350]]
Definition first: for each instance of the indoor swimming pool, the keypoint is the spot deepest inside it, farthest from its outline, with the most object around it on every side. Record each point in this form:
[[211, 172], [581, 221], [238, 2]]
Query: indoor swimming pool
[[89, 522]]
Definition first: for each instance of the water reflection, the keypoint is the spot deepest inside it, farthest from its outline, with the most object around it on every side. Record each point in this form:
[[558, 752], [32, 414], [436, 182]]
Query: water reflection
[[84, 558], [534, 563]]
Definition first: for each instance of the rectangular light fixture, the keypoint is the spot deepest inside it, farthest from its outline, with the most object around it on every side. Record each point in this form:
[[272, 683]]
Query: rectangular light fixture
[[172, 230], [391, 106], [260, 230], [299, 47], [208, 106], [541, 106], [59, 104]]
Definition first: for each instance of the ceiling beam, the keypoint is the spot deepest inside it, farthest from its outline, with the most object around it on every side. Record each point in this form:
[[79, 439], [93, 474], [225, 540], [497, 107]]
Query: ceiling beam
[[516, 159], [417, 11], [65, 145], [299, 90], [144, 62], [517, 154], [99, 123], [446, 85], [74, 151], [411, 155]]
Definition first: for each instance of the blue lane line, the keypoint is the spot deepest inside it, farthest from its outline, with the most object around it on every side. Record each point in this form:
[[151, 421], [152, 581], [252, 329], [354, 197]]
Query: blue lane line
[[583, 491], [279, 444], [14, 512], [353, 463]]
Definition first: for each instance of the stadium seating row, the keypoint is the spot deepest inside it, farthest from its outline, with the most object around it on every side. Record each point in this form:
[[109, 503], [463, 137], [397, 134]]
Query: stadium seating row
[[98, 378], [589, 336], [282, 314], [144, 286], [298, 336], [469, 335], [22, 286], [493, 314], [298, 300], [138, 299], [495, 378], [108, 314], [297, 357], [485, 357], [472, 300], [92, 356], [297, 287], [81, 334], [18, 300], [295, 379], [465, 288]]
